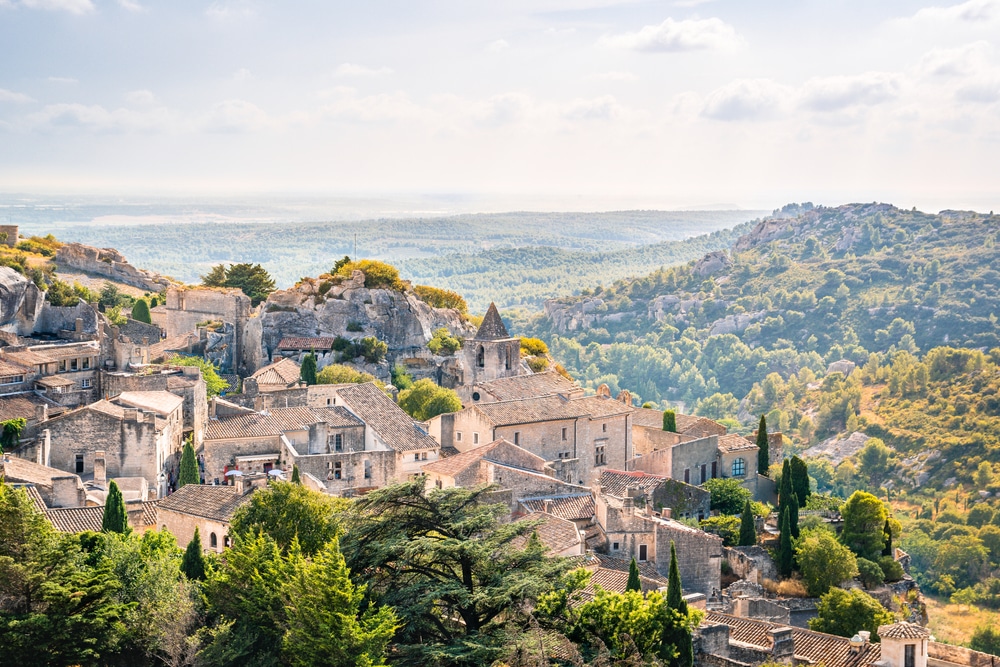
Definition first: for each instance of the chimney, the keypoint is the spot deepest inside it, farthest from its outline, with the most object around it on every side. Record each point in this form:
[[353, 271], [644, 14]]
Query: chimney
[[79, 325], [100, 469], [145, 341], [258, 403], [547, 506], [319, 438], [782, 644], [866, 636], [45, 448], [41, 412], [131, 415], [667, 513]]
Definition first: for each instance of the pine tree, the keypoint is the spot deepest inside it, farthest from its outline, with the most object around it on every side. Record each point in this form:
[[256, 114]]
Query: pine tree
[[189, 466], [748, 529], [296, 479], [887, 531], [785, 546], [633, 577], [140, 312], [679, 637], [193, 563], [763, 454], [800, 479], [115, 518], [308, 370], [670, 421]]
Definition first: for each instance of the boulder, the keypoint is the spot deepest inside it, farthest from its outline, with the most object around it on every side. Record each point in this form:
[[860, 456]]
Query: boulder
[[21, 302], [712, 263]]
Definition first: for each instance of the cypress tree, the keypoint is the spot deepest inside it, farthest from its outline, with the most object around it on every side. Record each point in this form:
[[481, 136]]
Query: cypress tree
[[748, 530], [193, 563], [189, 466], [115, 518], [680, 637], [763, 454], [154, 302], [296, 479], [633, 577], [785, 546], [784, 486], [800, 479], [670, 421], [887, 533], [308, 370], [140, 312], [793, 515]]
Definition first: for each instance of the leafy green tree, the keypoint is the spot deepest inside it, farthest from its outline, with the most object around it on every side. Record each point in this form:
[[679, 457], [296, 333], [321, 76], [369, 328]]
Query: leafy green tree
[[425, 399], [986, 639], [214, 385], [401, 378], [728, 495], [630, 619], [785, 553], [449, 564], [891, 570], [325, 625], [10, 433], [55, 607], [869, 573], [980, 515], [286, 511], [308, 370], [189, 473], [763, 447], [726, 526], [875, 460], [864, 518], [342, 262], [823, 561], [442, 342], [193, 563], [296, 476], [678, 636], [341, 374], [252, 279], [372, 349], [140, 312], [800, 479], [633, 584], [115, 518], [748, 526], [670, 421], [216, 277], [843, 613]]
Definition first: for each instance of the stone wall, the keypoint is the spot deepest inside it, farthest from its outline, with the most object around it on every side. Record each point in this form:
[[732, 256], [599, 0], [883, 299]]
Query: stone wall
[[188, 307], [111, 264], [55, 319], [699, 556], [9, 235], [751, 563], [195, 396], [683, 500], [182, 527], [945, 655], [647, 440], [220, 454], [358, 469]]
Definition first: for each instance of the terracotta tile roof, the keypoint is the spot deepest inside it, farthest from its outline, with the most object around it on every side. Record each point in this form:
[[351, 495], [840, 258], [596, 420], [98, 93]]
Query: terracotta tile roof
[[28, 357], [555, 533], [149, 512], [598, 408], [529, 410], [492, 327], [819, 647], [646, 569], [305, 343], [458, 463], [29, 472], [698, 427], [277, 421], [903, 631], [572, 507], [76, 519], [393, 426], [161, 402], [528, 386], [284, 372], [732, 442], [55, 381], [24, 405], [109, 409], [613, 580], [34, 495], [210, 502], [617, 482], [9, 368]]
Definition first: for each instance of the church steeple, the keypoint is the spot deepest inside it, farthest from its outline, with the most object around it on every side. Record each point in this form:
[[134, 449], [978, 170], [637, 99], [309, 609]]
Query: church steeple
[[492, 327]]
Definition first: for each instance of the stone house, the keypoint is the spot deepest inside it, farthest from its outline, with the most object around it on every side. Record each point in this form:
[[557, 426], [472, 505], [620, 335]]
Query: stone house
[[648, 434], [297, 347], [697, 461], [183, 381], [128, 345], [141, 517], [57, 488], [577, 436], [531, 385], [669, 497], [223, 314], [208, 508], [492, 353], [560, 536], [64, 372], [280, 375]]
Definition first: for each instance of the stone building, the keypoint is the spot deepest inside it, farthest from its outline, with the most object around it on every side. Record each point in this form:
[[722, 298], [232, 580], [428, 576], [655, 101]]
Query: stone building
[[278, 376], [223, 314], [64, 372], [560, 536], [183, 381], [492, 353], [669, 497], [699, 460], [205, 507], [57, 488], [648, 434], [531, 385]]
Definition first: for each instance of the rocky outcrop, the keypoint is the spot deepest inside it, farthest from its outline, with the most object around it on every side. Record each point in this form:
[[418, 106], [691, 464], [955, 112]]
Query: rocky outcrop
[[732, 324], [111, 264], [712, 263], [21, 302]]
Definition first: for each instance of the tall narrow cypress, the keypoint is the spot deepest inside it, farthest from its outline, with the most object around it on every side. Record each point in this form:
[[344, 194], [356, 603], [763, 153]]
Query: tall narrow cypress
[[784, 487], [115, 518], [748, 528], [763, 453], [189, 473], [670, 421], [633, 577], [308, 370], [887, 550], [296, 477], [680, 638], [793, 515], [785, 546], [193, 563], [800, 479]]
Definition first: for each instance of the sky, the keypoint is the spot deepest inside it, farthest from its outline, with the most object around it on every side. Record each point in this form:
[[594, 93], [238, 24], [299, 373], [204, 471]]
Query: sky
[[577, 103]]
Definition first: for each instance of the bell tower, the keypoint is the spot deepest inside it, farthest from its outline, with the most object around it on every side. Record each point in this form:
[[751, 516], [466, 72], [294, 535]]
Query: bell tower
[[492, 353]]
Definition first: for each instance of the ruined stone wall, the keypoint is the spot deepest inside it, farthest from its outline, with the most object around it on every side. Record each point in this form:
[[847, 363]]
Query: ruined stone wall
[[945, 655], [647, 440], [20, 302], [54, 319], [699, 556], [109, 263], [751, 563], [659, 462], [221, 453], [683, 500], [9, 235], [358, 469]]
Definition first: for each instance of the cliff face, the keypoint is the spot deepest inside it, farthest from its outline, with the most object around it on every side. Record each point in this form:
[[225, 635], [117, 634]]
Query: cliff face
[[20, 302], [109, 263], [317, 308]]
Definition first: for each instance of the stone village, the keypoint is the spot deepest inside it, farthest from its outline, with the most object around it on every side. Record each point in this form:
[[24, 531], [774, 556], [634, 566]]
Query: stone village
[[102, 402]]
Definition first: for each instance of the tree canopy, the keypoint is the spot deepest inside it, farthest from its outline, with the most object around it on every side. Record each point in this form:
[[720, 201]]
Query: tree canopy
[[864, 519], [424, 400], [214, 385], [823, 561], [252, 279], [843, 613]]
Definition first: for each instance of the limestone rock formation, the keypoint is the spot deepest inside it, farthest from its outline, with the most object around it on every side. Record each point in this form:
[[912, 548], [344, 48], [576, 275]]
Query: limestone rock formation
[[712, 263], [111, 264], [20, 302]]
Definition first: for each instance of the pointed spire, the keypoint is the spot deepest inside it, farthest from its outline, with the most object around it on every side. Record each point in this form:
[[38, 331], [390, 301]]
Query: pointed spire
[[492, 327]]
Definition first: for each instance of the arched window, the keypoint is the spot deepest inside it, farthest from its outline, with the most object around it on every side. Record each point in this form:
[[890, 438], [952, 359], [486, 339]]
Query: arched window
[[213, 541], [739, 468], [481, 357], [507, 360]]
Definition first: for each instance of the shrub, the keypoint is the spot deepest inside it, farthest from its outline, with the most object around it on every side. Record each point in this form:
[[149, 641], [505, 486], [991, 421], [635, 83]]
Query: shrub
[[424, 400], [354, 326], [341, 374], [40, 245], [725, 526], [214, 385], [869, 573], [372, 349], [824, 561], [538, 364], [442, 342], [61, 294], [377, 274], [441, 298], [891, 570], [728, 495], [401, 378], [533, 347]]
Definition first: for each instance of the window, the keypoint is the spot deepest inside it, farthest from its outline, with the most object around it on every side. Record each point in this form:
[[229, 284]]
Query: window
[[337, 470], [338, 442], [458, 436], [226, 542], [62, 365], [507, 360], [564, 433], [642, 553], [475, 396], [614, 546], [715, 469], [739, 468], [79, 463], [416, 456], [475, 438], [368, 469], [213, 541], [481, 357], [604, 428], [687, 475], [517, 437], [438, 484], [599, 458], [86, 363], [704, 473], [329, 401], [86, 383], [909, 655], [12, 379], [74, 364]]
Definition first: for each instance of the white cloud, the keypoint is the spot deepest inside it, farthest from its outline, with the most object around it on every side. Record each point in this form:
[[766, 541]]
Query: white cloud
[[691, 3], [381, 108], [600, 108], [956, 62], [71, 6], [235, 117], [97, 118], [615, 76], [497, 46], [352, 69], [984, 91], [242, 74], [11, 96], [231, 10], [131, 5], [688, 35], [140, 97], [972, 11], [840, 92], [747, 99]]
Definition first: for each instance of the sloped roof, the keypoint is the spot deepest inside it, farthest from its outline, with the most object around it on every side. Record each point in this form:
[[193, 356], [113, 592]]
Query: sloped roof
[[23, 470], [55, 381], [277, 421], [555, 533], [284, 372], [903, 630], [492, 327], [617, 482], [135, 331], [394, 427], [732, 442], [27, 357], [174, 343], [571, 507], [108, 409], [25, 404], [76, 519], [646, 569], [160, 402], [530, 410], [306, 343], [34, 495], [208, 501], [453, 465], [528, 386], [698, 427], [10, 368], [597, 407]]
